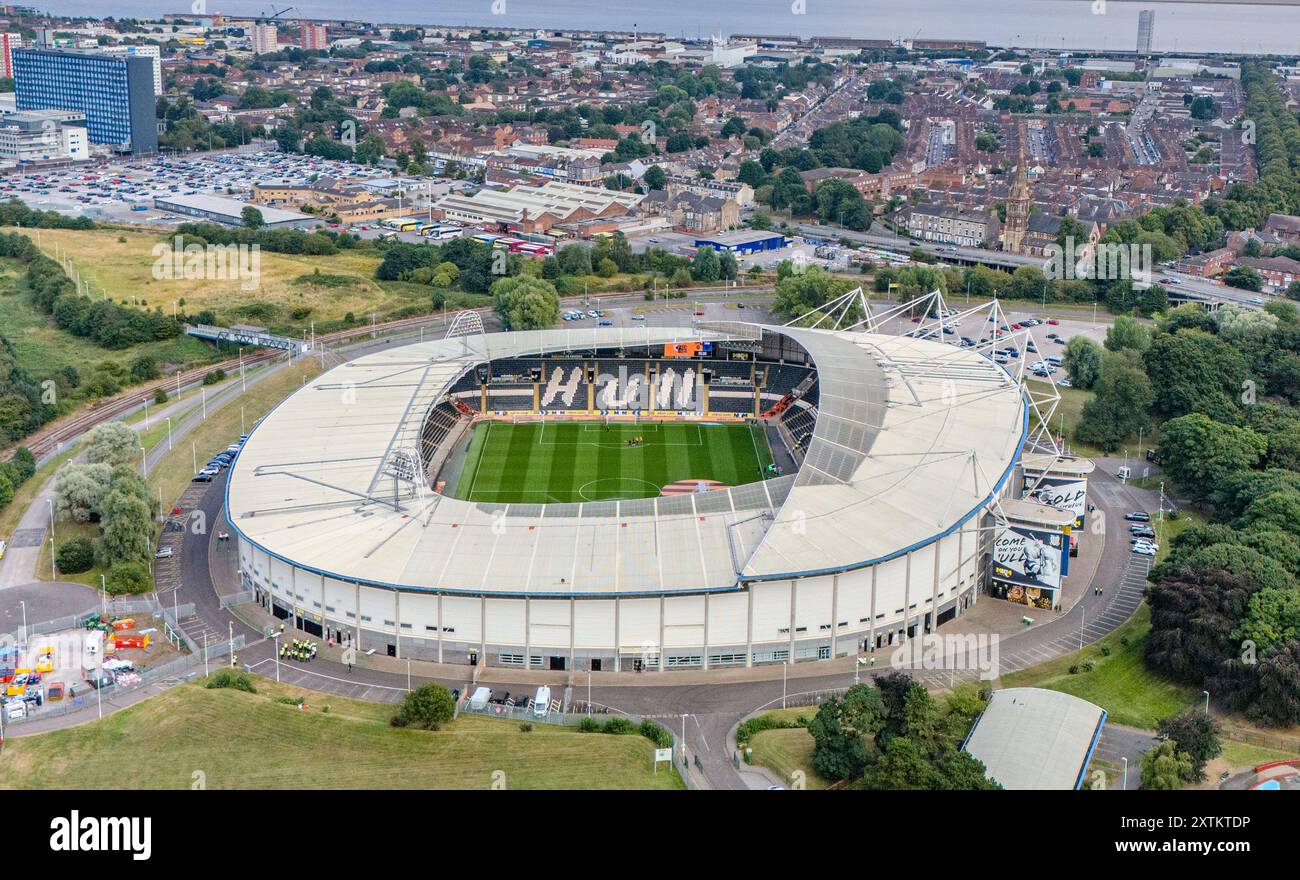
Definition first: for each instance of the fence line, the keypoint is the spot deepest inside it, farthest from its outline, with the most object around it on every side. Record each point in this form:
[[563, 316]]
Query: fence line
[[173, 671], [524, 713]]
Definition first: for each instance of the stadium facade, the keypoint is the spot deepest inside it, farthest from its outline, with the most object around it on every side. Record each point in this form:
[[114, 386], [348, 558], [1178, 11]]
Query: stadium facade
[[885, 528]]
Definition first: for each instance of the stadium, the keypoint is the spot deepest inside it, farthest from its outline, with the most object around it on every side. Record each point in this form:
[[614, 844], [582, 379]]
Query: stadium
[[631, 498]]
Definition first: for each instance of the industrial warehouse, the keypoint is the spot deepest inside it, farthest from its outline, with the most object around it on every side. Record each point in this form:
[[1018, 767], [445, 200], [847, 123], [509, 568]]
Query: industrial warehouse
[[902, 446]]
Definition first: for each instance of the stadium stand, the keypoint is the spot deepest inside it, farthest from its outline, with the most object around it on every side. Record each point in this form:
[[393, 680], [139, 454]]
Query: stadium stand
[[441, 419], [782, 378], [743, 405]]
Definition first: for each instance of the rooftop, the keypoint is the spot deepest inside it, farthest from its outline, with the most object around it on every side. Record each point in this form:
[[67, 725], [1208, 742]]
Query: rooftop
[[1031, 739], [912, 440]]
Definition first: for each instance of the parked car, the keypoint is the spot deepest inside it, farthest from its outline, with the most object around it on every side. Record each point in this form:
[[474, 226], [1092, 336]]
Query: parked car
[[163, 553], [1137, 516]]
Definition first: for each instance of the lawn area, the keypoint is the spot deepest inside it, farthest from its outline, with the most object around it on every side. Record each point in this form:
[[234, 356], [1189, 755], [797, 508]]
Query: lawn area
[[65, 530], [1239, 754], [223, 425], [789, 749], [43, 348], [589, 461], [1121, 683], [289, 294], [1170, 528], [240, 740]]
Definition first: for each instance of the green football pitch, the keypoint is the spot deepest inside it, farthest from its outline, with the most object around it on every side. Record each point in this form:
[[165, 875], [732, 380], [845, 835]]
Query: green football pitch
[[561, 462]]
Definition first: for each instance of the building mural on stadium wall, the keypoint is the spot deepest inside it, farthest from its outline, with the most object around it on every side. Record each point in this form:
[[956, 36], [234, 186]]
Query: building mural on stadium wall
[[1060, 482], [1031, 554]]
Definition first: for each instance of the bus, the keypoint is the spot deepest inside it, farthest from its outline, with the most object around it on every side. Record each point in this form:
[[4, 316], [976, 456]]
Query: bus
[[486, 237]]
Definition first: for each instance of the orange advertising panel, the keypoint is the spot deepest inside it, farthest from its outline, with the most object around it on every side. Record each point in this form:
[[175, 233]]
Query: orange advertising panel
[[682, 349]]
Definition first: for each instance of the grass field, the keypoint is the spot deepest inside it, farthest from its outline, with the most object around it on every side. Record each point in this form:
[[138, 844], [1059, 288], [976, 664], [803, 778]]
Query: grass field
[[787, 749], [1120, 683], [287, 297], [239, 740], [43, 348], [564, 462]]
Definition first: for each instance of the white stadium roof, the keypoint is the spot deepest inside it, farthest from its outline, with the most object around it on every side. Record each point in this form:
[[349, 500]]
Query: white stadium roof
[[912, 439]]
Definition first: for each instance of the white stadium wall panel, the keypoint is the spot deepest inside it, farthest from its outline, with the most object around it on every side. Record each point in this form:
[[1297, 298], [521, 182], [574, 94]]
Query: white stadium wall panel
[[638, 625]]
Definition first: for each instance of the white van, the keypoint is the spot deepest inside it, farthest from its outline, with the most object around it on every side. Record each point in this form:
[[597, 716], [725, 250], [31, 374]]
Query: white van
[[542, 702], [480, 698]]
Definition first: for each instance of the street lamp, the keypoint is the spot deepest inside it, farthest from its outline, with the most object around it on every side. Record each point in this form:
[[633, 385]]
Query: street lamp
[[169, 433], [1124, 758], [1207, 703], [276, 636]]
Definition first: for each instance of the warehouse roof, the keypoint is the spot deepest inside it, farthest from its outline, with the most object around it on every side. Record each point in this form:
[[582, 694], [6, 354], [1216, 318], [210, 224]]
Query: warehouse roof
[[912, 440], [1036, 739]]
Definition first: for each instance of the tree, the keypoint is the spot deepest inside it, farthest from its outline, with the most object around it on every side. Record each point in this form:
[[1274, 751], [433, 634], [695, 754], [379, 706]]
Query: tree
[[1277, 694], [1193, 371], [128, 578], [75, 555], [525, 303], [1278, 511], [1272, 620], [1082, 361], [428, 707], [1164, 768], [1123, 395], [1195, 734], [706, 267], [844, 731], [111, 443], [251, 217], [799, 293], [125, 527], [655, 177], [1194, 613], [1127, 332], [1199, 453], [1243, 278], [79, 490]]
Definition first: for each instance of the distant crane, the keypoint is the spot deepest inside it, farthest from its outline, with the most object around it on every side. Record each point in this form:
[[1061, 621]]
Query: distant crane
[[274, 14]]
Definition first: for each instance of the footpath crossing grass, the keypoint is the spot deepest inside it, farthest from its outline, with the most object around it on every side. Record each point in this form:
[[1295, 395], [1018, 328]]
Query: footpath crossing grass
[[566, 462]]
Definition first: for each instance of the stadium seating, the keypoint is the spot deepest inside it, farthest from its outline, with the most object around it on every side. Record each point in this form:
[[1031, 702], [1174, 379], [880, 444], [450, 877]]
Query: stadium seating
[[743, 404], [782, 378], [442, 418]]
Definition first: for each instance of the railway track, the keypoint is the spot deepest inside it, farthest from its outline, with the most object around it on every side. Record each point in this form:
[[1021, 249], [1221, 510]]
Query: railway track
[[49, 438]]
